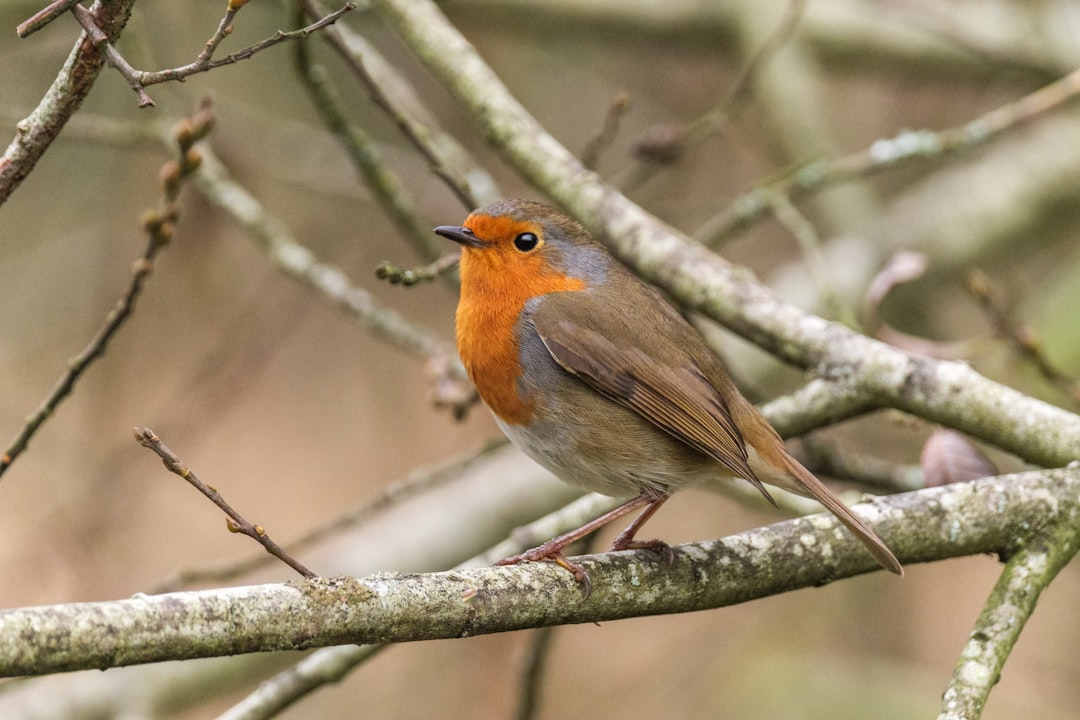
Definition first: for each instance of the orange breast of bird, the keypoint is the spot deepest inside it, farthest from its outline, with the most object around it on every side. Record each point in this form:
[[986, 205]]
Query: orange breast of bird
[[496, 282]]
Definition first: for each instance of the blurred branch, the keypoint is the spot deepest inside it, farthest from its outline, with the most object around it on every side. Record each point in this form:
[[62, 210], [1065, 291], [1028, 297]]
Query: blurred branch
[[994, 515], [590, 155], [452, 387], [806, 235], [850, 34], [392, 92], [538, 657], [968, 212], [883, 154], [664, 145], [1020, 336], [35, 133], [388, 189], [236, 522], [412, 276], [869, 471], [1028, 571], [320, 668], [948, 393], [159, 225]]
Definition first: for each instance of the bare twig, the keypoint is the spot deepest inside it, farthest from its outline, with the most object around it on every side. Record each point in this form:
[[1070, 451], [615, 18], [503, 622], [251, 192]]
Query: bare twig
[[412, 276], [1021, 336], [236, 522], [139, 79], [43, 17], [664, 144], [112, 57], [159, 225], [415, 483], [203, 63], [590, 156]]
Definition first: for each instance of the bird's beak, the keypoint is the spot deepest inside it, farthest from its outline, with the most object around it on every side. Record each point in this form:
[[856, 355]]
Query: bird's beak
[[461, 235]]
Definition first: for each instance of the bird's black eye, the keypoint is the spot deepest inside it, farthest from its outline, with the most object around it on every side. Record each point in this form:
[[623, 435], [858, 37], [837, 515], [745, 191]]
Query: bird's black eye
[[526, 241]]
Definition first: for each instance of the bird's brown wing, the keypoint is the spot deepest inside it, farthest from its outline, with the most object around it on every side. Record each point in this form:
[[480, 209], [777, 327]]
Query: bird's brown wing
[[664, 373], [652, 376]]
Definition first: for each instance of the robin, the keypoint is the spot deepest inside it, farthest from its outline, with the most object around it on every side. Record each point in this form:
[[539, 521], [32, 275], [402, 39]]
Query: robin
[[595, 376]]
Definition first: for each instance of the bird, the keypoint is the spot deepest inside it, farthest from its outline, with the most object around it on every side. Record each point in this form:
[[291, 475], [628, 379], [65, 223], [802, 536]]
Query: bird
[[598, 378]]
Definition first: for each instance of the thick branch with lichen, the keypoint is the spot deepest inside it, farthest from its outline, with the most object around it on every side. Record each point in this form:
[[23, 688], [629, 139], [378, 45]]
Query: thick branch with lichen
[[994, 515]]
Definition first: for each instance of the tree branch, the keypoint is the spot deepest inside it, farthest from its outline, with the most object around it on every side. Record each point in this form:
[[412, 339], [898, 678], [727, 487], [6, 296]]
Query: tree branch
[[1027, 573], [993, 515], [35, 133]]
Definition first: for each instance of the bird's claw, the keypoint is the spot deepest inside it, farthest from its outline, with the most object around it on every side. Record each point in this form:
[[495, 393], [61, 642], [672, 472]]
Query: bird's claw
[[657, 546], [543, 552]]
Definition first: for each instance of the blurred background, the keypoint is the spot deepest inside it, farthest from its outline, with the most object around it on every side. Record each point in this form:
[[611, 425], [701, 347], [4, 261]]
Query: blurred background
[[295, 412]]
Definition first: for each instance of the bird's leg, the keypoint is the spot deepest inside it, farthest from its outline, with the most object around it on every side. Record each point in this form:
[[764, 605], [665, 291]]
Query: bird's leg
[[626, 541], [552, 549]]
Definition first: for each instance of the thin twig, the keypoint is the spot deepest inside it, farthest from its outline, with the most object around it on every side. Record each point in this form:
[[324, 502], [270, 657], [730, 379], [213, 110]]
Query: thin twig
[[412, 276], [236, 522], [112, 57], [415, 483], [159, 225], [224, 29], [1021, 336], [590, 156], [139, 79], [203, 65], [43, 17]]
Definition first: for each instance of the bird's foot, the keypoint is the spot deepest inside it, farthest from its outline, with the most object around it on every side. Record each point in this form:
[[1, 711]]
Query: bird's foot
[[657, 546], [553, 552]]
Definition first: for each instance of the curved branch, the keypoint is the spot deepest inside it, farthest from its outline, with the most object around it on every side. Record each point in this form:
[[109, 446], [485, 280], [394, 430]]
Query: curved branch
[[994, 515]]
